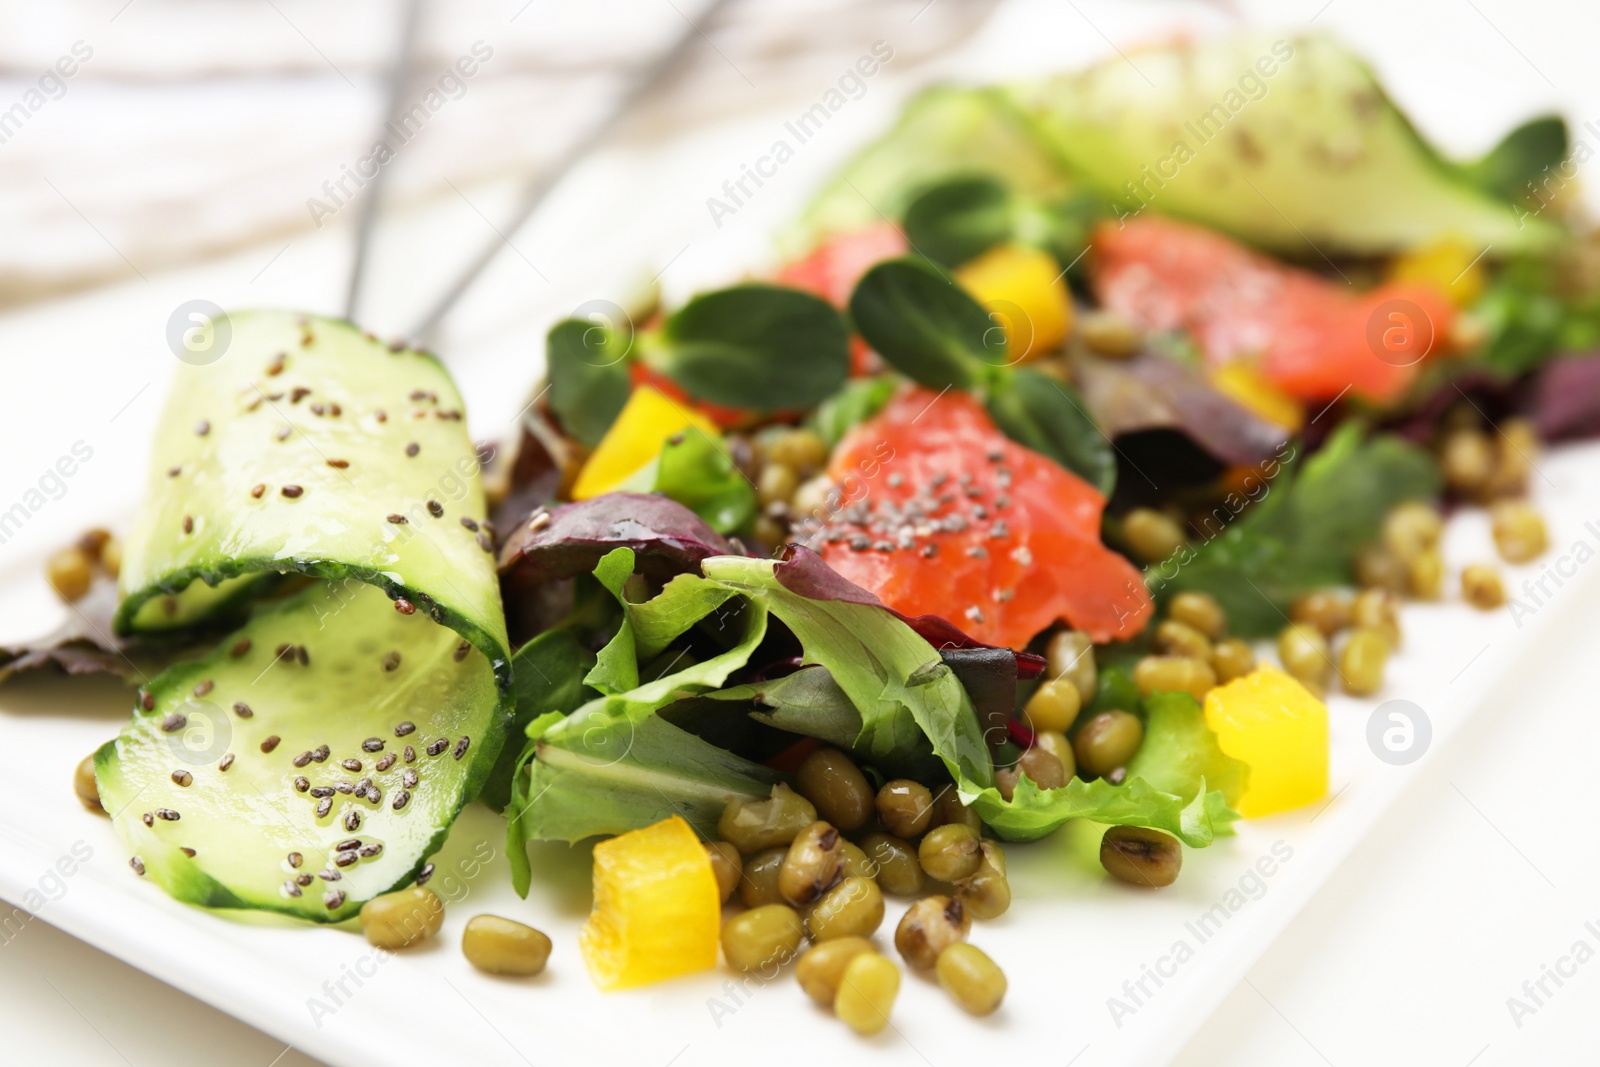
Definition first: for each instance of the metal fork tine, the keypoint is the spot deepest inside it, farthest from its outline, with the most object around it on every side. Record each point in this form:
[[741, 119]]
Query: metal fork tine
[[541, 184], [399, 79]]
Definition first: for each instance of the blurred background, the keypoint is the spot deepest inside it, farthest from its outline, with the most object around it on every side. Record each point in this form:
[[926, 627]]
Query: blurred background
[[155, 152]]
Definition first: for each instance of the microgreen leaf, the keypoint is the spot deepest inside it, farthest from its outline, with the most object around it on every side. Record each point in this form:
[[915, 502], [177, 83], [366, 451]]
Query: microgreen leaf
[[588, 377], [760, 347]]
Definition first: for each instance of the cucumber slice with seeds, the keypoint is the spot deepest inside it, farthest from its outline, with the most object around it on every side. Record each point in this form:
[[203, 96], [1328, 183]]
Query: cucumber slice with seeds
[[309, 449], [411, 706]]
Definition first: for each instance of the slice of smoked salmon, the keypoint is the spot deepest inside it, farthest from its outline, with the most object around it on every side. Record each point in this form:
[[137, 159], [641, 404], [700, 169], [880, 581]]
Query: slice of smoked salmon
[[940, 513]]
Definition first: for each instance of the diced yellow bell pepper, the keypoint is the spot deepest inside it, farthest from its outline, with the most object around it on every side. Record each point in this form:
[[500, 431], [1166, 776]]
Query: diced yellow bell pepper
[[637, 437], [1027, 291], [657, 908], [1244, 384], [1449, 264], [1269, 720]]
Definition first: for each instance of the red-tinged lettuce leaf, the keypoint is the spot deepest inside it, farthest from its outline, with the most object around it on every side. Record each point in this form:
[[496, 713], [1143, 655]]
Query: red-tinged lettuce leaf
[[1566, 398], [534, 464], [802, 571], [1151, 392], [665, 537], [84, 643], [1445, 386], [551, 547]]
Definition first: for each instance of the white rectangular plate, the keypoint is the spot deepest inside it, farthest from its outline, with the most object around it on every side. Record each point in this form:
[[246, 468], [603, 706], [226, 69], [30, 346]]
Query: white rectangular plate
[[1100, 973]]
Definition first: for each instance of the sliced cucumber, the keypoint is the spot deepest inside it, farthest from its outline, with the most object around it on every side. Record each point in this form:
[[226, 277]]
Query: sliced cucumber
[[1290, 144], [204, 753], [290, 400], [309, 449]]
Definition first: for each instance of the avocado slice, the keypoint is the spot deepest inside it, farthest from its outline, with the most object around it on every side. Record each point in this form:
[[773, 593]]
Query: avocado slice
[[369, 705], [944, 131], [1289, 144]]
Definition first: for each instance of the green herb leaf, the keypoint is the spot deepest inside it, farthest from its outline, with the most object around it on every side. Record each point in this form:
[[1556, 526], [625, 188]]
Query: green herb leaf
[[928, 327], [588, 377], [1305, 533], [760, 347], [1049, 417], [960, 219], [1522, 156]]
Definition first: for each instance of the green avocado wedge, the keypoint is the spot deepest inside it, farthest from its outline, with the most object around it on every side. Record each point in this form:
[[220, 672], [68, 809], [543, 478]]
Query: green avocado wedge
[[1287, 143], [319, 754]]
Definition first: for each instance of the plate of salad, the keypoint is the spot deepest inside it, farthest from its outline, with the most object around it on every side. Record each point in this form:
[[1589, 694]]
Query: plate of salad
[[985, 630]]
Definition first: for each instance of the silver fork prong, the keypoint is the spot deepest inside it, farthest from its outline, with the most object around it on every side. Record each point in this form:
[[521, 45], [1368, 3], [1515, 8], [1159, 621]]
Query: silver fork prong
[[540, 185], [399, 79]]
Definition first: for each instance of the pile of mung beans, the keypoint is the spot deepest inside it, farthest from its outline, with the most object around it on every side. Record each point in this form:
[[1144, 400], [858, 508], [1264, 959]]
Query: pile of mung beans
[[799, 877]]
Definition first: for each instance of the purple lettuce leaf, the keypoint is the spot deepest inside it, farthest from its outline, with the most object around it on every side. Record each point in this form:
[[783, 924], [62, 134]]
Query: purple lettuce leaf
[[1154, 392], [1565, 402]]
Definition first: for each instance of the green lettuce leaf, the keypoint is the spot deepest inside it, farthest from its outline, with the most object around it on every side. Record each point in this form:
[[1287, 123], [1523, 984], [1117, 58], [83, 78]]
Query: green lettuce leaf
[[873, 685], [547, 677], [809, 702], [888, 672], [694, 469], [613, 764]]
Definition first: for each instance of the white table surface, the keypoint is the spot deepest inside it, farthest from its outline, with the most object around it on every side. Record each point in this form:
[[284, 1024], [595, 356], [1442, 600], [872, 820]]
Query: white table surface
[[1473, 887]]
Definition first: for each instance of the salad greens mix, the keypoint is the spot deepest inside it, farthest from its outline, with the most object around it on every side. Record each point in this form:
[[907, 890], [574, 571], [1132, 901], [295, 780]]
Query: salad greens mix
[[983, 496]]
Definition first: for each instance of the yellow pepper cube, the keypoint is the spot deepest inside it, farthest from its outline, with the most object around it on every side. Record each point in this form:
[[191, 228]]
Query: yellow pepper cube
[[657, 908], [1452, 265], [1025, 290], [1269, 720], [637, 437], [1251, 390]]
